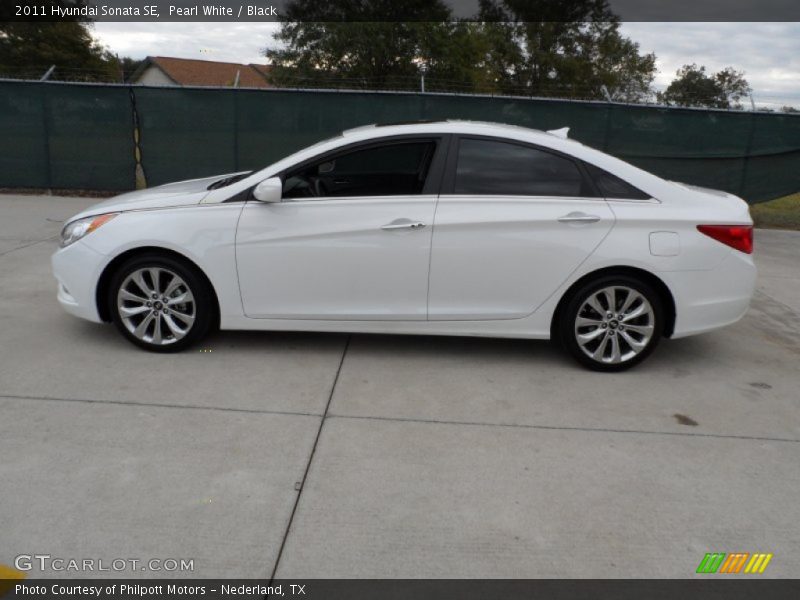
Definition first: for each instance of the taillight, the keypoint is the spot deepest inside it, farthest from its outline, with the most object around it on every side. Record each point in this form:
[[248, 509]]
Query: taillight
[[739, 237]]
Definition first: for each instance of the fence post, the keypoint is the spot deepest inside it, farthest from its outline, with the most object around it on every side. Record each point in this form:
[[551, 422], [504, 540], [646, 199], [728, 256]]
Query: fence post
[[748, 149], [236, 93], [48, 168], [607, 133], [140, 180]]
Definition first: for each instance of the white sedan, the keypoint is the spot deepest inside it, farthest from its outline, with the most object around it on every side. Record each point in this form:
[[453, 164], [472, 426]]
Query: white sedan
[[433, 228]]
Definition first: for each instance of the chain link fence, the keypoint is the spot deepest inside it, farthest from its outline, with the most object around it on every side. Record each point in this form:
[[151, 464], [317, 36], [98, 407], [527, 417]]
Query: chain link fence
[[119, 137]]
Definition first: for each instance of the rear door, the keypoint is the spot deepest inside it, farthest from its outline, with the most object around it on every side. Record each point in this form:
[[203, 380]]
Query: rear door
[[512, 222]]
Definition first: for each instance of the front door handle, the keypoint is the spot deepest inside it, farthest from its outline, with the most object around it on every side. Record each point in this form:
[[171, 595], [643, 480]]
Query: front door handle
[[578, 217], [403, 224]]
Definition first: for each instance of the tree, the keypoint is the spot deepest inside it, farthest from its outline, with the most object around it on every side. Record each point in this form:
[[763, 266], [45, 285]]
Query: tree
[[532, 47], [362, 44], [128, 66], [692, 86], [575, 49], [790, 109], [28, 49]]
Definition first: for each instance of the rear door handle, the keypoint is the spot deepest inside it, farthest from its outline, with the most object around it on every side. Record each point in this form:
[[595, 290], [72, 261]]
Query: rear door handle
[[578, 217], [403, 224]]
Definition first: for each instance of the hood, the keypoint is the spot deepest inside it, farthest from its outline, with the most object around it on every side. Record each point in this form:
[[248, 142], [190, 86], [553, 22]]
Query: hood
[[181, 193]]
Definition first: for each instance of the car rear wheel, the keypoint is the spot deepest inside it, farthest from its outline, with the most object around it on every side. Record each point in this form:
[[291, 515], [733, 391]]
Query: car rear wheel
[[612, 323], [160, 303]]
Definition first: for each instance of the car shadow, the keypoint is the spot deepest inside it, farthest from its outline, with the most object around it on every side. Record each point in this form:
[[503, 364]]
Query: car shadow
[[682, 354]]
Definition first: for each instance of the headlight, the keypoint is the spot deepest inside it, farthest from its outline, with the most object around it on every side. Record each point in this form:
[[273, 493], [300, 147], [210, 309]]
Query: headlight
[[75, 230]]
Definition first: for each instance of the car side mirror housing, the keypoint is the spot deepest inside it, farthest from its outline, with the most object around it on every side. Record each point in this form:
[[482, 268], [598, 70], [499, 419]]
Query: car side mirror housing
[[270, 190]]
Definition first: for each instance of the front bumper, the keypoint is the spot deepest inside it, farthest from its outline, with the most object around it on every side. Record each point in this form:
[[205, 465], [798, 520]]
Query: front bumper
[[77, 269]]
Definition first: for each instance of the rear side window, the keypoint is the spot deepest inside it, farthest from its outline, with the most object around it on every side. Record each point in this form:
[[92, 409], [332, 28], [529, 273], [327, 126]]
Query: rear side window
[[611, 186], [489, 167]]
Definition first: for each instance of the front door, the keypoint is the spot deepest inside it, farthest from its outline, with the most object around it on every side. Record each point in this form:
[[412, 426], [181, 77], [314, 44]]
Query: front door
[[350, 240]]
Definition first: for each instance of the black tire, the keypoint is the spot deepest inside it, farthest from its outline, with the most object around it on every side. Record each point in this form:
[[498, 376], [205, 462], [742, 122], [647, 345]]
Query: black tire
[[201, 307], [633, 329]]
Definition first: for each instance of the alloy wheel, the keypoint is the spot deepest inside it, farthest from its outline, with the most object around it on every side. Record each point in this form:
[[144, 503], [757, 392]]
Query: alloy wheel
[[614, 324], [156, 305]]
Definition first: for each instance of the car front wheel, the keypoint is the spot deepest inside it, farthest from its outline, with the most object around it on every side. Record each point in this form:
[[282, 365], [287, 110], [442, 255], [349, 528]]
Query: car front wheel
[[612, 323], [160, 303]]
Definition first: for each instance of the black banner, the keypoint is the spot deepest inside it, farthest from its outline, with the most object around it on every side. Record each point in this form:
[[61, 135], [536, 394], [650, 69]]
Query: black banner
[[733, 588], [389, 10]]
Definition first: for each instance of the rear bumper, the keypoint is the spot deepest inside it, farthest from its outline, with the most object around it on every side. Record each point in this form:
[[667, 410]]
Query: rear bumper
[[708, 300], [77, 269]]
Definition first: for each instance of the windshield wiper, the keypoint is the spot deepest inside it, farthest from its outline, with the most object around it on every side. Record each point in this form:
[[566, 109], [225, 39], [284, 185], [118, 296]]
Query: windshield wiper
[[228, 180]]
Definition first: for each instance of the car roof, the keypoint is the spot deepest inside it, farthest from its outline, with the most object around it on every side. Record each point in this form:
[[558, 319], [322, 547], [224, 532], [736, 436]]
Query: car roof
[[448, 126]]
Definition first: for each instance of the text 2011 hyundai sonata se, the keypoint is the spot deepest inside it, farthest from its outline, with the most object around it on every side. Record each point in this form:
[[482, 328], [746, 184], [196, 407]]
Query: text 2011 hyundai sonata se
[[446, 228]]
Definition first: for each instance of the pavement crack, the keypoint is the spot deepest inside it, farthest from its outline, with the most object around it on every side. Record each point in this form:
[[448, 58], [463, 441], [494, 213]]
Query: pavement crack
[[159, 405], [301, 485], [28, 245], [565, 428]]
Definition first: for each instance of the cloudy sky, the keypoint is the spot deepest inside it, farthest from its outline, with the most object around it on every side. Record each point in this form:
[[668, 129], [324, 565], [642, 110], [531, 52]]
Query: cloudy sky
[[768, 53]]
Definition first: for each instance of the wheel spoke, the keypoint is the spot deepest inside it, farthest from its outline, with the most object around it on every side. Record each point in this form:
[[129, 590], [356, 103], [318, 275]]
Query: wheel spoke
[[174, 284], [157, 330], [583, 338], [635, 345], [616, 356], [645, 330], [632, 297], [594, 303], [636, 313], [600, 351], [140, 283], [142, 327], [182, 299], [155, 278], [129, 311], [611, 297], [186, 318], [176, 330], [587, 322], [127, 295]]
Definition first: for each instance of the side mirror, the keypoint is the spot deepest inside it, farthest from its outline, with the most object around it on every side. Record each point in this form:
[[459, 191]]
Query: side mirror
[[270, 190]]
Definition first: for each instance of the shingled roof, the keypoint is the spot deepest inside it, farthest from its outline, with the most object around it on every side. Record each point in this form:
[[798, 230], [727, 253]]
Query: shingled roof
[[188, 71]]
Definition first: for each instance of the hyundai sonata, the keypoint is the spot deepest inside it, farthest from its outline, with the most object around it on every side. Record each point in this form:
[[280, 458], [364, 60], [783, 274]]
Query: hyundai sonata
[[443, 228]]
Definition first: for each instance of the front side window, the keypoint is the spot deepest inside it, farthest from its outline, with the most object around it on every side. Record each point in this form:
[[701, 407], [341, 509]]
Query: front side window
[[392, 169], [488, 167]]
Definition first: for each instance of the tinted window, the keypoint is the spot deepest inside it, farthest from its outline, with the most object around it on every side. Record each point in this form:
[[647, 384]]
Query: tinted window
[[612, 186], [393, 169], [500, 168]]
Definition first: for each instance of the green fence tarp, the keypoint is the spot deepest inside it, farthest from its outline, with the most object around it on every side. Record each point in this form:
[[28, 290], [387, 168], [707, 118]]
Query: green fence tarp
[[81, 136], [65, 136]]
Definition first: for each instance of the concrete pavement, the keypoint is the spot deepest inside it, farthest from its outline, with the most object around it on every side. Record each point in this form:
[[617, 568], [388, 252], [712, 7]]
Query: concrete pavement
[[426, 457]]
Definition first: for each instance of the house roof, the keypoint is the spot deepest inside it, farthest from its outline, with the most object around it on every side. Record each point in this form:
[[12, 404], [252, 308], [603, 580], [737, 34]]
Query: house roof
[[188, 71]]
